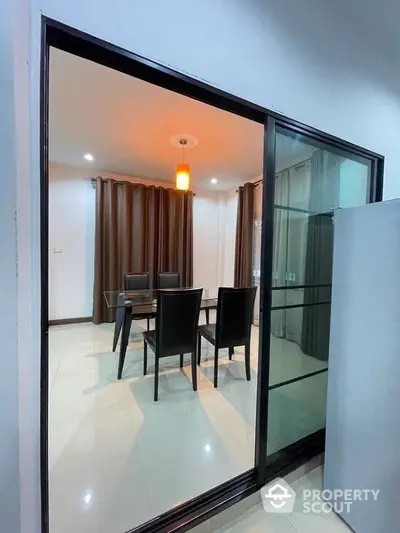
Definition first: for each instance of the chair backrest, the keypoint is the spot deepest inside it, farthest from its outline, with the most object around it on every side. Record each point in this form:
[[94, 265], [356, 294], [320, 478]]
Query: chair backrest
[[136, 282], [168, 280], [177, 320], [234, 315]]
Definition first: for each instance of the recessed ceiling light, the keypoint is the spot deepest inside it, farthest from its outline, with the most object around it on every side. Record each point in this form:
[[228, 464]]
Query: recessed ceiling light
[[214, 181], [88, 157]]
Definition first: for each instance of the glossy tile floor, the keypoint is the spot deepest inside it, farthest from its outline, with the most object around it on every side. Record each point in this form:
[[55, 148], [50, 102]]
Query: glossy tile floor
[[256, 520], [117, 459]]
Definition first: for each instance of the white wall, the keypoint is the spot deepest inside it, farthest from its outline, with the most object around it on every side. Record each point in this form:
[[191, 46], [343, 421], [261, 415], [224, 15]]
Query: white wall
[[363, 426], [9, 437], [205, 242], [288, 61], [312, 64], [227, 213], [71, 232], [71, 239]]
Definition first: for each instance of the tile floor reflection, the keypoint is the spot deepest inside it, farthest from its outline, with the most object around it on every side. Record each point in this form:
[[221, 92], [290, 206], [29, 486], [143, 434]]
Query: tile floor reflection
[[117, 458]]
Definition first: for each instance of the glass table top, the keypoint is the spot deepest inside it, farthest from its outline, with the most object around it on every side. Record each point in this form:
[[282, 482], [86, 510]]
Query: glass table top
[[144, 297]]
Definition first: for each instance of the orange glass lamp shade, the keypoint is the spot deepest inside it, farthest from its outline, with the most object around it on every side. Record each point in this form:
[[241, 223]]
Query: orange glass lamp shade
[[182, 176]]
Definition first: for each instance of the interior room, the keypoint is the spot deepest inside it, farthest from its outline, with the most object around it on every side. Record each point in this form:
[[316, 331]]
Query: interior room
[[130, 439], [117, 458]]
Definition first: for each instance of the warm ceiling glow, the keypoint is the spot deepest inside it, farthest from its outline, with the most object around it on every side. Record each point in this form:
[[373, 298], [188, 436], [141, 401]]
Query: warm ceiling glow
[[182, 177], [89, 157], [214, 181]]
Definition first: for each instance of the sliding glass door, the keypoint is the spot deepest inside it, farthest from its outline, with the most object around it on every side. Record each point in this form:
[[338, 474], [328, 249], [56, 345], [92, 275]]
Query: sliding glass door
[[112, 459], [311, 181]]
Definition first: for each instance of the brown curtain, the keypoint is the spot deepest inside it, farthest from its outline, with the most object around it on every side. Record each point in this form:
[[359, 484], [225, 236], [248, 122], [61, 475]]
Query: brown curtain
[[244, 236], [139, 229], [324, 197]]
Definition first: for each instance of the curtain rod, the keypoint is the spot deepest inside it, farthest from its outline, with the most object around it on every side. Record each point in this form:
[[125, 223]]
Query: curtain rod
[[257, 182], [93, 181]]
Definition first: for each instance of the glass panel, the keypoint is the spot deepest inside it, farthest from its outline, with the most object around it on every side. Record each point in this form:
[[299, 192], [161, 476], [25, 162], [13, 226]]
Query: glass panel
[[129, 298], [318, 178], [299, 342], [298, 237], [311, 181], [257, 225], [146, 297], [353, 183], [295, 411], [303, 295]]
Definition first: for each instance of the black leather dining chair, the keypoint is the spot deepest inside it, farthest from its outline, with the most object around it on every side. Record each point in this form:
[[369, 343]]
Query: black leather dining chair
[[233, 326], [137, 282], [168, 280], [132, 282], [171, 280], [176, 329]]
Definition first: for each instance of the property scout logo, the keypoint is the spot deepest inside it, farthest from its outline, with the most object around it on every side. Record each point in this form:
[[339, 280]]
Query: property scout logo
[[279, 497]]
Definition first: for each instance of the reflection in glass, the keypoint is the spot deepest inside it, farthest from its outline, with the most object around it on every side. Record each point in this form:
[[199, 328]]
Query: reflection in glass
[[295, 411], [288, 358], [298, 295], [311, 181], [257, 225]]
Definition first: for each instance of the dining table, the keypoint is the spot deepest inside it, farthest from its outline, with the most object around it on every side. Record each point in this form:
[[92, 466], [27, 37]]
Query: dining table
[[136, 304]]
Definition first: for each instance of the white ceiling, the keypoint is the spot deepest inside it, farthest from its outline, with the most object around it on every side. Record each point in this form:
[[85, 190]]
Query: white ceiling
[[127, 124]]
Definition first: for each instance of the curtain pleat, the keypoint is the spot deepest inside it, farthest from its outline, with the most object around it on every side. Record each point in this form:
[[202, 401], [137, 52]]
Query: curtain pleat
[[244, 237], [139, 229], [280, 252], [324, 196]]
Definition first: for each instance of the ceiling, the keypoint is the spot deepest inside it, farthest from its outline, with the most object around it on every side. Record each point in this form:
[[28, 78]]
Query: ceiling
[[127, 124]]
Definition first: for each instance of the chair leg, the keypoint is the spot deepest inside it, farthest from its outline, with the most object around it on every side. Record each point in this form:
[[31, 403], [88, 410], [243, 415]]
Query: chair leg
[[194, 371], [198, 349], [145, 358], [215, 367], [247, 360], [148, 324], [230, 353], [119, 319], [156, 379], [181, 360]]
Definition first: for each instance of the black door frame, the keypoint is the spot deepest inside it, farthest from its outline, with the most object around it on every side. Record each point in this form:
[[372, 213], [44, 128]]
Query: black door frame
[[71, 40]]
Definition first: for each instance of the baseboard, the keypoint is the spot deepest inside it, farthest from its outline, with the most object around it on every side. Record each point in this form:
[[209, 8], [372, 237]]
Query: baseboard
[[63, 321]]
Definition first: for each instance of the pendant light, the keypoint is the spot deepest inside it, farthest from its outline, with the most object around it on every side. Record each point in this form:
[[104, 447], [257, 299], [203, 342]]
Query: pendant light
[[182, 170]]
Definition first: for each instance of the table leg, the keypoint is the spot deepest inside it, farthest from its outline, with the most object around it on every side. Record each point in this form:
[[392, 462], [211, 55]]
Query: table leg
[[207, 316], [126, 328], [119, 319]]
